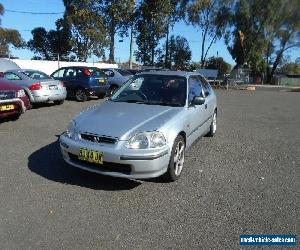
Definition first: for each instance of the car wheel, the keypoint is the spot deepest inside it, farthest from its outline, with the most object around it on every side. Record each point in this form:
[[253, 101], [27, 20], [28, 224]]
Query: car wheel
[[213, 126], [59, 102], [80, 95], [176, 160], [111, 91]]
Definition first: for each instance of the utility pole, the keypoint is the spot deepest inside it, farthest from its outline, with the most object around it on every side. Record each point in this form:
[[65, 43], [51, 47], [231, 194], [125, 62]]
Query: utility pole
[[131, 48], [58, 59]]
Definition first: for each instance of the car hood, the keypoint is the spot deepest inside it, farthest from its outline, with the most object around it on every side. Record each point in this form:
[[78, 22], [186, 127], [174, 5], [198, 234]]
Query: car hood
[[123, 120]]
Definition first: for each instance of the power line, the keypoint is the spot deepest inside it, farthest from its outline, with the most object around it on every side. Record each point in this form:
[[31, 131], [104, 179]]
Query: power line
[[34, 13]]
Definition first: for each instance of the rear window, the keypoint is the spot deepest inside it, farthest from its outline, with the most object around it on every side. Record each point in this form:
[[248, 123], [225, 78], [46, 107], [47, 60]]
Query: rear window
[[123, 72], [96, 72], [36, 74]]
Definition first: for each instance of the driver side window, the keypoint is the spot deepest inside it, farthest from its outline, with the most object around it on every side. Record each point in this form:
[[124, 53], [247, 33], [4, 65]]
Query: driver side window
[[195, 88]]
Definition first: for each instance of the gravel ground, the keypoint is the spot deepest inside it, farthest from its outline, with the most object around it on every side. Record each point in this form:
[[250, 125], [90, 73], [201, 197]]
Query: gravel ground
[[245, 180]]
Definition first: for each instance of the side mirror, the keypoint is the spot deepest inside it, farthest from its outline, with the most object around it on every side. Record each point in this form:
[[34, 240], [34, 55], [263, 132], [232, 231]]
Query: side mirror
[[198, 100]]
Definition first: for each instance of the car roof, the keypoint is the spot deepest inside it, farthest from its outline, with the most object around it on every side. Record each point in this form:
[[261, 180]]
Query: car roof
[[170, 73]]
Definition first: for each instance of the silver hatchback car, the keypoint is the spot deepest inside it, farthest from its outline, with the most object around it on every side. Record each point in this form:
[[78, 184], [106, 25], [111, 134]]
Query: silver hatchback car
[[144, 129], [38, 86]]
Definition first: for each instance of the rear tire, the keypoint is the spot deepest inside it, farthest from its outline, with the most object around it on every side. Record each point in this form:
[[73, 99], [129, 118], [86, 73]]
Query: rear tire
[[176, 160], [213, 126], [80, 95]]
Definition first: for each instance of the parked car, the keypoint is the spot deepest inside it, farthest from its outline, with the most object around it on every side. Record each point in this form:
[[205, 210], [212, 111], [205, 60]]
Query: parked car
[[13, 100], [82, 82], [134, 71], [116, 77], [38, 86], [143, 130]]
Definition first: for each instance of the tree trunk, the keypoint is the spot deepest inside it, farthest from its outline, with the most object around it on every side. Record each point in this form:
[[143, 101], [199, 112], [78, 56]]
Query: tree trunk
[[202, 48], [167, 48], [111, 57]]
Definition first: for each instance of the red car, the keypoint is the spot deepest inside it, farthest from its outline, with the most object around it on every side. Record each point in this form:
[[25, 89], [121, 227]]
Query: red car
[[13, 100]]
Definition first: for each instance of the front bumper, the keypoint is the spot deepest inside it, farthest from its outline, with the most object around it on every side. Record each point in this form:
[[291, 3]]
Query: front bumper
[[16, 101], [125, 163]]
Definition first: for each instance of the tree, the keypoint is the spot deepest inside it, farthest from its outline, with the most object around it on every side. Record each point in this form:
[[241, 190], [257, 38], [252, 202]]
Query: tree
[[291, 68], [219, 64], [152, 23], [282, 34], [180, 53], [260, 36], [52, 44], [89, 36], [118, 16], [8, 37], [245, 40], [212, 17]]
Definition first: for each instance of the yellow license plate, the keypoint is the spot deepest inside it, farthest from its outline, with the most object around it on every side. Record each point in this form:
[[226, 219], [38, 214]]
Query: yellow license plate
[[90, 156], [7, 107], [101, 81]]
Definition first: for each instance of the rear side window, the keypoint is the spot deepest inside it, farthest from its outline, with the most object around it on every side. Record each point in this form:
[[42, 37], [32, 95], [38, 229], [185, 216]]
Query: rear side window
[[108, 72], [70, 72], [36, 75], [11, 76], [59, 73], [97, 72]]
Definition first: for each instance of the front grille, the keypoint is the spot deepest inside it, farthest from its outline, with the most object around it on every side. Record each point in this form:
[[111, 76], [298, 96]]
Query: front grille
[[6, 95], [105, 167], [98, 139]]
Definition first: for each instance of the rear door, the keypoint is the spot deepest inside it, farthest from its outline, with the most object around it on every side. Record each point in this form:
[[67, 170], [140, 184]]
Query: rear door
[[70, 80]]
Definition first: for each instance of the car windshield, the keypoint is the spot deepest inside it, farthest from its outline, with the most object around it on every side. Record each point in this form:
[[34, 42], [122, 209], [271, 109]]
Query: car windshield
[[123, 72], [153, 90], [96, 72], [36, 74]]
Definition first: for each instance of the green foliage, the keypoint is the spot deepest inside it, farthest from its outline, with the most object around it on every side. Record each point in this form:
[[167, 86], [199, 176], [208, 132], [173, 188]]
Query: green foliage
[[49, 45], [118, 17], [291, 68], [153, 19], [180, 53], [219, 64], [89, 34], [9, 37], [262, 31]]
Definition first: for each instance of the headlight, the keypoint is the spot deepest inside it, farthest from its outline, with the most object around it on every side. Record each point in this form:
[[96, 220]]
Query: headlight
[[147, 140], [71, 129], [21, 93]]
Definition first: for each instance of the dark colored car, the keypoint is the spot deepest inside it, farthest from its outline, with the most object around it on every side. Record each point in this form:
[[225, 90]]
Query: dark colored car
[[134, 71], [13, 100], [82, 82]]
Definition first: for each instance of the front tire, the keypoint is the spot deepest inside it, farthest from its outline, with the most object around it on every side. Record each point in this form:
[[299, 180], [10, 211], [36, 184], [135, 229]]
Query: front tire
[[59, 102], [176, 160], [111, 91], [80, 95], [213, 126]]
